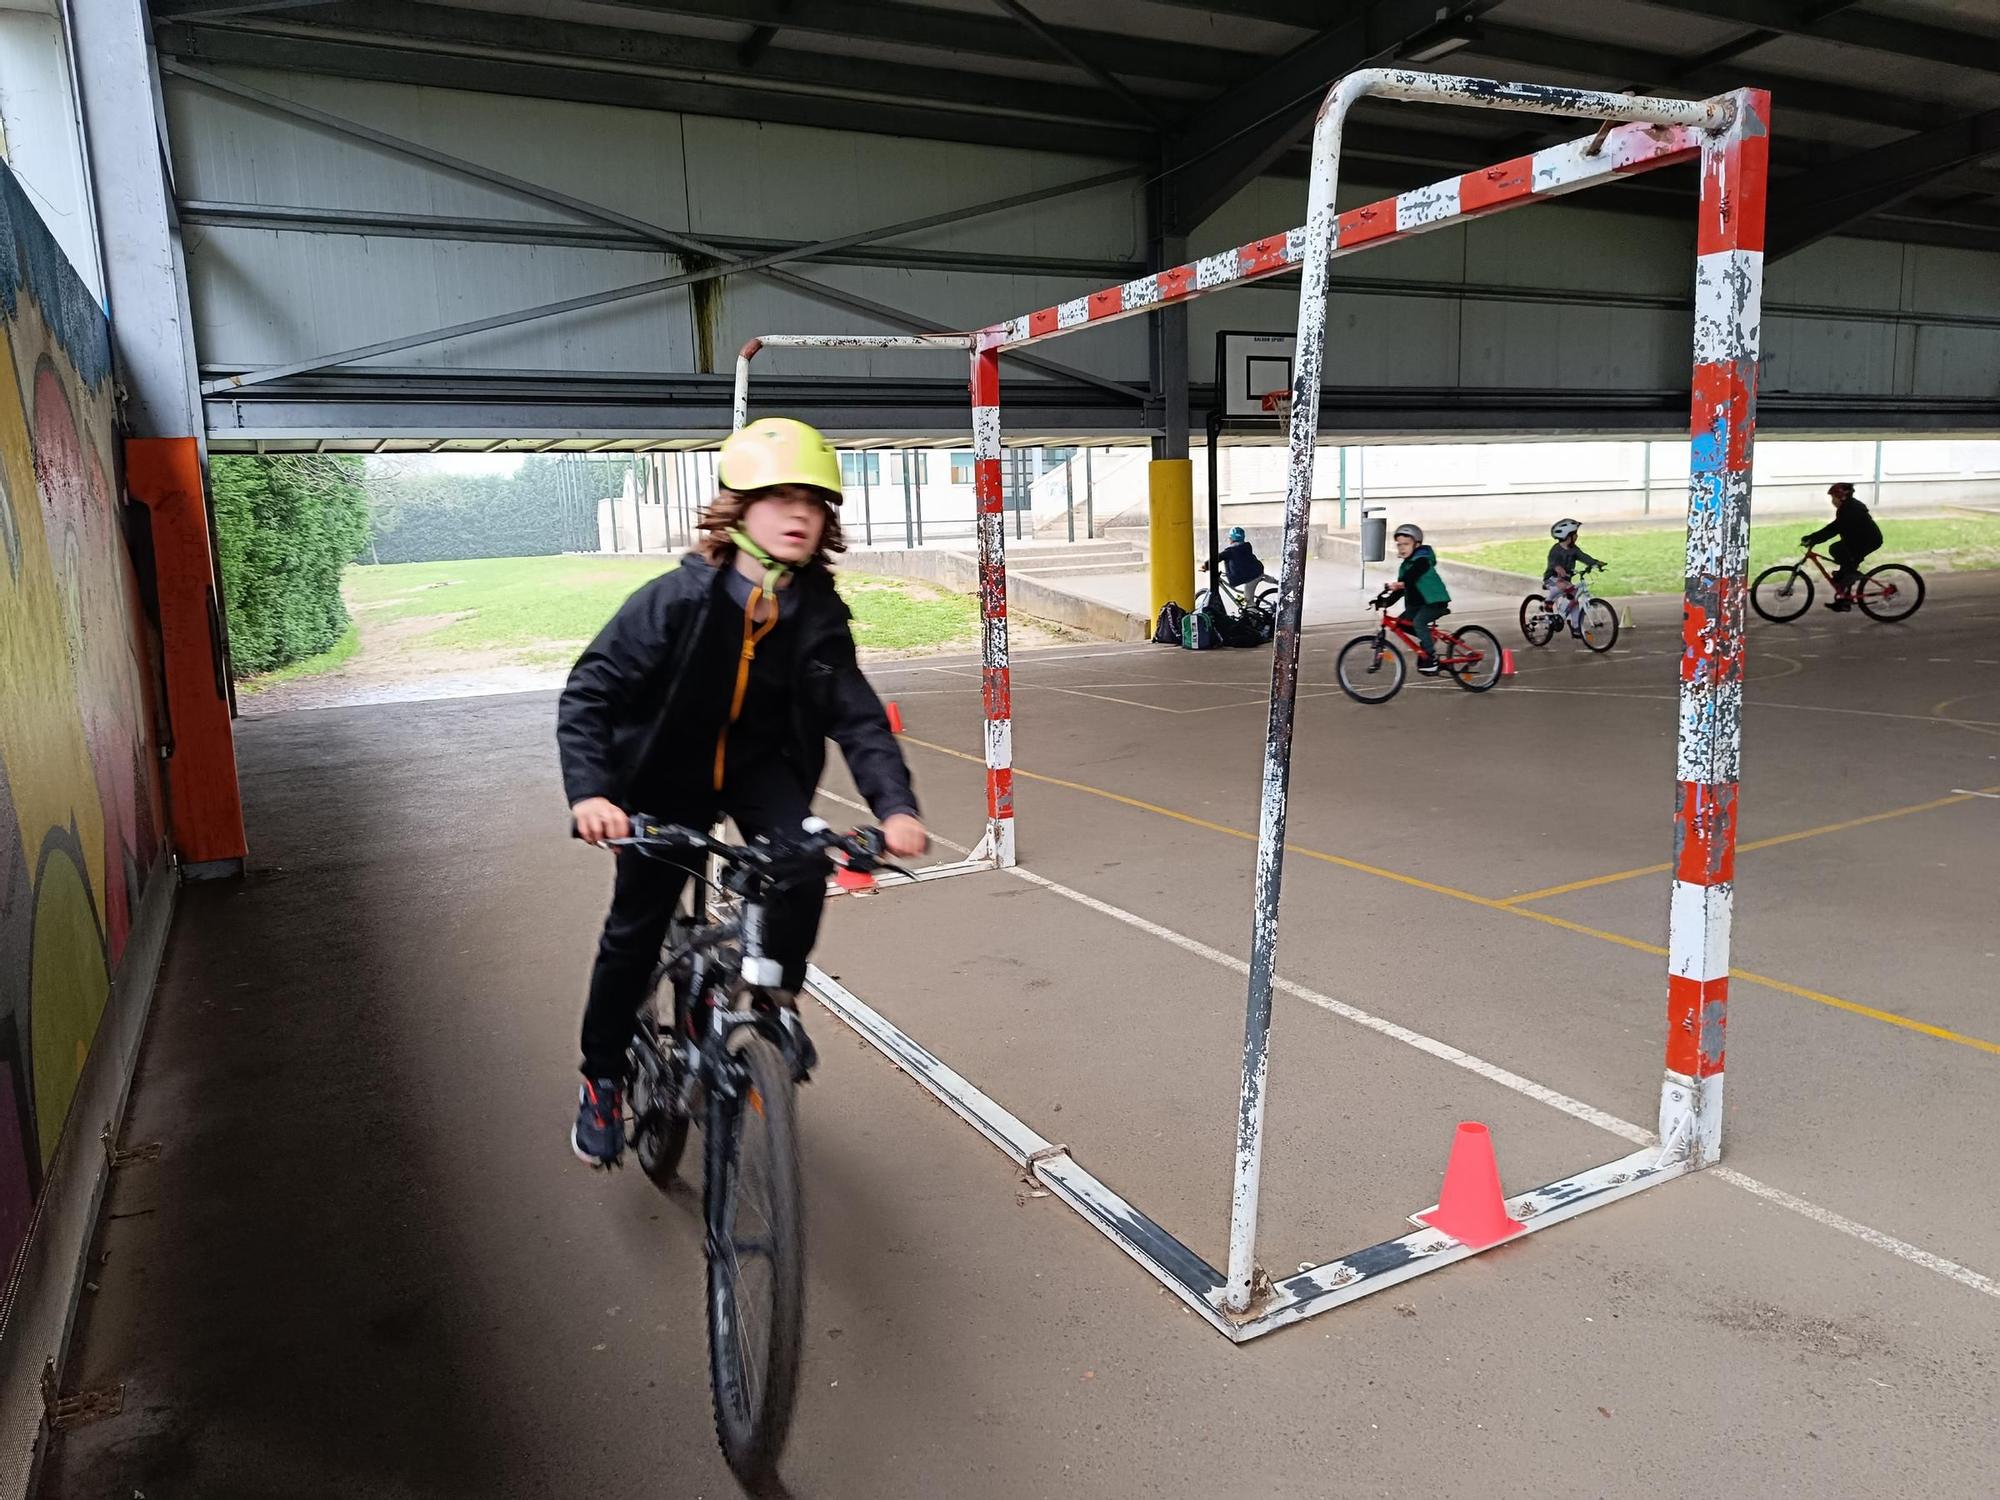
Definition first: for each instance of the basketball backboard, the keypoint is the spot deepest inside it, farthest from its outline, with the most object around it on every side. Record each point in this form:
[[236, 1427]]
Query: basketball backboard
[[1249, 367]]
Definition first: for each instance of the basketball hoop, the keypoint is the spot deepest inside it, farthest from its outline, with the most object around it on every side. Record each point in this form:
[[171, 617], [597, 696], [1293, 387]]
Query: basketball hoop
[[1276, 404]]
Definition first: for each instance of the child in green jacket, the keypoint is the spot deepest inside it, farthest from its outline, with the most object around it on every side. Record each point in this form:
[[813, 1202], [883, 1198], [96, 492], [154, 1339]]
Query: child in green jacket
[[1425, 597]]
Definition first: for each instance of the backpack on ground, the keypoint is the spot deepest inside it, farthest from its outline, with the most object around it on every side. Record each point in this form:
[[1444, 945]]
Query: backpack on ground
[[1199, 633], [1253, 625], [1168, 631]]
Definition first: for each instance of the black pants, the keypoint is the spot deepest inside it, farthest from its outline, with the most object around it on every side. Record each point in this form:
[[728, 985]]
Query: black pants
[[1847, 558], [768, 801], [1417, 619]]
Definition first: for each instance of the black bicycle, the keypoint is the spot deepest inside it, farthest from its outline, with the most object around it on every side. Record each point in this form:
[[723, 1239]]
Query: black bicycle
[[733, 1052]]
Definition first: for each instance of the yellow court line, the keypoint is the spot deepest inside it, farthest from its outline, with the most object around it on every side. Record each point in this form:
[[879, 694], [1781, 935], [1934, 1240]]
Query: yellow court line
[[1887, 1018], [1770, 843]]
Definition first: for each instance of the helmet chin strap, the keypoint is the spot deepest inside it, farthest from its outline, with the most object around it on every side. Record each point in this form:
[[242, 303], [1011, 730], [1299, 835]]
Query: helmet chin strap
[[775, 572]]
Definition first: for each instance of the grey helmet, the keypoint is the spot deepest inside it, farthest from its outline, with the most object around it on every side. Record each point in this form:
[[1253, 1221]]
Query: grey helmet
[[1564, 529], [1414, 533]]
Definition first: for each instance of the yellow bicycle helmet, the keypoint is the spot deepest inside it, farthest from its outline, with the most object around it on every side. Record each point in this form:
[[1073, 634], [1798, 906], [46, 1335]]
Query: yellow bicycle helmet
[[777, 450]]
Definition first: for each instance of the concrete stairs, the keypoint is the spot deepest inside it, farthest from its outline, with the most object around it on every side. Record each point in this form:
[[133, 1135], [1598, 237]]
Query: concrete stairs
[[1049, 561]]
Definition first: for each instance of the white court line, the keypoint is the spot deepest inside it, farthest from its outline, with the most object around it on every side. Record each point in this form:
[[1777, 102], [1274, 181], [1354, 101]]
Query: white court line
[[1964, 793], [1576, 1109]]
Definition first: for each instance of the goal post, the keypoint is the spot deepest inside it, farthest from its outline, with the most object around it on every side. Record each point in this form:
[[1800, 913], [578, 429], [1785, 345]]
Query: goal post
[[1728, 136]]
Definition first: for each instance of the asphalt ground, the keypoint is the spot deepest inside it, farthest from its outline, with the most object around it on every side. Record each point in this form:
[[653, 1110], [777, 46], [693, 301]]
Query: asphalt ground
[[365, 1262]]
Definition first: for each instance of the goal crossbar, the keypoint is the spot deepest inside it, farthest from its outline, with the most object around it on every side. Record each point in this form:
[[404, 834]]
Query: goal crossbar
[[1728, 134]]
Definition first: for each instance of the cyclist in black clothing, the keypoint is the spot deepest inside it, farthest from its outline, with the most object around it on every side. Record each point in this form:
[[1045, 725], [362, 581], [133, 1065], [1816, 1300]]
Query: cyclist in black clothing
[[1857, 536], [712, 692]]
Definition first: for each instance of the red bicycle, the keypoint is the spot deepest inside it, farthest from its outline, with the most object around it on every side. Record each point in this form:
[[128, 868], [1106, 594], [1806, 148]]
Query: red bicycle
[[1891, 592], [1371, 670]]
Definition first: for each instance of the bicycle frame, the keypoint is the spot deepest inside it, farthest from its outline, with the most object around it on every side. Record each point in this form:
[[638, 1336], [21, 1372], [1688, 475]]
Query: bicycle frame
[[1457, 656]]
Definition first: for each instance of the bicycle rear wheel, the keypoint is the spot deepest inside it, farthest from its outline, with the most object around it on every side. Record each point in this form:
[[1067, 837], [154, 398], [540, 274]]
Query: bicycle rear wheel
[[1600, 625], [756, 1262], [1891, 592], [659, 1124], [1539, 625], [1782, 593], [1368, 673], [1473, 658]]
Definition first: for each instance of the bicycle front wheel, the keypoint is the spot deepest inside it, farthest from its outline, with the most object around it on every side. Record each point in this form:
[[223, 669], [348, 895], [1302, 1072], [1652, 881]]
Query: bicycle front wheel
[[1782, 593], [756, 1262], [1369, 672], [1473, 658], [1890, 593], [1600, 625]]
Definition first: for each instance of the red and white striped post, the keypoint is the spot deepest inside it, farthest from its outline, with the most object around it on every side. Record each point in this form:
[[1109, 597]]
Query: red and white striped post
[[1729, 282], [995, 678]]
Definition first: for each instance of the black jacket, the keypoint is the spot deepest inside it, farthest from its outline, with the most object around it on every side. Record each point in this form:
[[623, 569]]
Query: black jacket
[[1853, 524], [615, 723]]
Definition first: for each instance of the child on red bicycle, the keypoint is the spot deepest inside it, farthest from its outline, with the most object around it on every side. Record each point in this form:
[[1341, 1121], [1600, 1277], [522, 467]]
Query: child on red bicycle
[[1425, 598], [1855, 536]]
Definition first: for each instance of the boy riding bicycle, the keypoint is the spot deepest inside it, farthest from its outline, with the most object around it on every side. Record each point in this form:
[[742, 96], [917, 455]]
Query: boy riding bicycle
[[1857, 536], [1560, 573], [712, 692], [1241, 567], [1425, 598]]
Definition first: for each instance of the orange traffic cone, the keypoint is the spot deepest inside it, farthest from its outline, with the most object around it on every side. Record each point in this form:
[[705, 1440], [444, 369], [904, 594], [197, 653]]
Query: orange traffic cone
[[1471, 1208], [1506, 662], [895, 719]]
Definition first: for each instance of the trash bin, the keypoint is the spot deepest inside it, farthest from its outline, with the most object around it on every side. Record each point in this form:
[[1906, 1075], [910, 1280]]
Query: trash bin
[[1374, 538]]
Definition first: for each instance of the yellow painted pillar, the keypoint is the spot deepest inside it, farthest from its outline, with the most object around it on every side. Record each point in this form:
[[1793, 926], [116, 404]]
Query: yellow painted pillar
[[1170, 525]]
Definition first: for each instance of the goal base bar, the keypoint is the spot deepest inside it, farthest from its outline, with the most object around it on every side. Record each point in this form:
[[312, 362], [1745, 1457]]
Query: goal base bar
[[1199, 1285]]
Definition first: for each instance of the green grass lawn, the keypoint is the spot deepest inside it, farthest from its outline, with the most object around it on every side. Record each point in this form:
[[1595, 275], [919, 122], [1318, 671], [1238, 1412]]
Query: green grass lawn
[[1654, 562], [548, 607]]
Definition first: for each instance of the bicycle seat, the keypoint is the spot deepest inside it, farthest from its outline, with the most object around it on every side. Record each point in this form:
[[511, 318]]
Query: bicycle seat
[[1443, 612]]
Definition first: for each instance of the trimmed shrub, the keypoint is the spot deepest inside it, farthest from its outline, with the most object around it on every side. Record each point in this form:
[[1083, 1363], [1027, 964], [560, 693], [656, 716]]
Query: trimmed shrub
[[285, 528]]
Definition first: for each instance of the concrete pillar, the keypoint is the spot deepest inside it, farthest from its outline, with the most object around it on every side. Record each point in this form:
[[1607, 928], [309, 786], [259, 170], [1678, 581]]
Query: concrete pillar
[[1170, 523], [152, 337]]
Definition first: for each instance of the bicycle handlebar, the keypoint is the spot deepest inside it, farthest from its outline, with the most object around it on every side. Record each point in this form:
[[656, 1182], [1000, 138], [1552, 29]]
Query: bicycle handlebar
[[862, 851]]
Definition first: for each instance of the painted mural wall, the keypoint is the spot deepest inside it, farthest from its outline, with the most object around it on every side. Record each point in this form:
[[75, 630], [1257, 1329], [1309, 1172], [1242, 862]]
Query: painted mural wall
[[81, 822]]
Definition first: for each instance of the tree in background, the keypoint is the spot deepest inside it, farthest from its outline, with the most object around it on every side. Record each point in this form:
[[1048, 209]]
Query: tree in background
[[285, 527], [548, 505]]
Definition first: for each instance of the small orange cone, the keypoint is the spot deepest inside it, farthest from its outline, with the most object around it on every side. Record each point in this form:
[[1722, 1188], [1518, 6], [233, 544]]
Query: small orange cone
[[1506, 662], [1471, 1209], [895, 719]]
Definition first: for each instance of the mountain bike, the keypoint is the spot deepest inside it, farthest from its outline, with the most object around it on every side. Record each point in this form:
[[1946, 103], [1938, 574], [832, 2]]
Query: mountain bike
[[1889, 593], [1258, 593], [733, 1052], [1370, 669], [1540, 620]]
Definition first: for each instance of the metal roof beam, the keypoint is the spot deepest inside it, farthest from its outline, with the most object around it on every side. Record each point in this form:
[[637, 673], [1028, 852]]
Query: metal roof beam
[[1809, 206], [1239, 135], [587, 85], [965, 33], [1638, 66], [1890, 34], [293, 219], [1073, 54], [895, 317], [697, 59]]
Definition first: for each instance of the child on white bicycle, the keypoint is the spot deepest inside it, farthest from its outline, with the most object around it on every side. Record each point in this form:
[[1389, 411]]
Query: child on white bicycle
[[1242, 569], [1560, 573]]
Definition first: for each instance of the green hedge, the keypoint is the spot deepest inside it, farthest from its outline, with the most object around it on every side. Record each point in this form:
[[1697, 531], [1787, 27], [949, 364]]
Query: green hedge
[[420, 515], [285, 528]]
